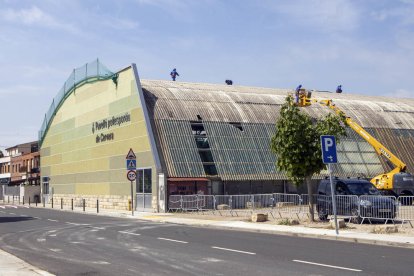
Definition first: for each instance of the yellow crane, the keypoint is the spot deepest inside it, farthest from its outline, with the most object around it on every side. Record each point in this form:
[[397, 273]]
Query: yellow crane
[[397, 181]]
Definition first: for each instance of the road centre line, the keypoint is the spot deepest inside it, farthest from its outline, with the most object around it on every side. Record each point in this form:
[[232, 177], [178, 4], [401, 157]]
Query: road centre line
[[129, 233], [36, 217], [171, 240], [331, 266], [233, 250], [52, 220]]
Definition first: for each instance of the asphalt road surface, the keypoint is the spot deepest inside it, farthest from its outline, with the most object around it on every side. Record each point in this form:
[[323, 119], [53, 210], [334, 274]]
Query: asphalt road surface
[[66, 243]]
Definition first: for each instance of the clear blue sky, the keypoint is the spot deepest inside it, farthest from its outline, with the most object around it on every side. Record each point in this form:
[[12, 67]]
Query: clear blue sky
[[365, 45]]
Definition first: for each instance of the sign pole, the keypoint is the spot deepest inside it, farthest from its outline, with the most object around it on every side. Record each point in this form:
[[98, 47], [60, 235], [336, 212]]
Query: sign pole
[[333, 199], [132, 199], [329, 156], [131, 165]]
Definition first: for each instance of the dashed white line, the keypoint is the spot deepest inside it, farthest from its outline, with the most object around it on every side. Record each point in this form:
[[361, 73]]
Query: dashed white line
[[72, 223], [52, 220], [172, 240], [325, 265], [53, 235], [233, 250], [36, 217], [129, 233]]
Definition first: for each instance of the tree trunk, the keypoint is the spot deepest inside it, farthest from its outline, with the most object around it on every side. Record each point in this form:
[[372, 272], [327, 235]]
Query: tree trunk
[[310, 196]]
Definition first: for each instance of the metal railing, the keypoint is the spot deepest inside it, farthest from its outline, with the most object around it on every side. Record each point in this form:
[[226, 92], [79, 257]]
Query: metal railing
[[89, 72], [356, 209]]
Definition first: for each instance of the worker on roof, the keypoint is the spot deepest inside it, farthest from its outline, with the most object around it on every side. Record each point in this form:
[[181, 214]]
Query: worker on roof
[[339, 89], [174, 74], [297, 90]]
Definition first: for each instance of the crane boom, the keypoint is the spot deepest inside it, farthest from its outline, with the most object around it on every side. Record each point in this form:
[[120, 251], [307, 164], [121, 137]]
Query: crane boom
[[400, 166], [397, 181]]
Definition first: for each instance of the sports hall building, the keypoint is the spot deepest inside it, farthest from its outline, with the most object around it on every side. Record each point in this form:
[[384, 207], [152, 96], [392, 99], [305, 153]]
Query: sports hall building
[[191, 138]]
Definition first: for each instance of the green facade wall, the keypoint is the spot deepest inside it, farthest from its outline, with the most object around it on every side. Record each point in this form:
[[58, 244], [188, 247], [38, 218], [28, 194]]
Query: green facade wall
[[84, 149]]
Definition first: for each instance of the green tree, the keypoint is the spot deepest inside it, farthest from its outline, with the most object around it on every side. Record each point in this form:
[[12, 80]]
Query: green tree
[[1, 154], [297, 144]]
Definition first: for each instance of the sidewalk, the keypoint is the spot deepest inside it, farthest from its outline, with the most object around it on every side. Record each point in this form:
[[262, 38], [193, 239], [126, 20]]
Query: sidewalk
[[11, 265]]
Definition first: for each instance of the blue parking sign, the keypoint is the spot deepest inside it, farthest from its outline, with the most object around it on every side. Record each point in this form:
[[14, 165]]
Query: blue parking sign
[[328, 146]]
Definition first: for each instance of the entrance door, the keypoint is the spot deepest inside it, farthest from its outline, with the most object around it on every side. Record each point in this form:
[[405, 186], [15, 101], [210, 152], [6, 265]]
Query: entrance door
[[144, 190]]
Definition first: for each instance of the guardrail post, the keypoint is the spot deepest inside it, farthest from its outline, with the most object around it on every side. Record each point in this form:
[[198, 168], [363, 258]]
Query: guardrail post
[[23, 200], [214, 202], [83, 204], [52, 202], [36, 202], [71, 203], [61, 203], [97, 206], [29, 200], [44, 202]]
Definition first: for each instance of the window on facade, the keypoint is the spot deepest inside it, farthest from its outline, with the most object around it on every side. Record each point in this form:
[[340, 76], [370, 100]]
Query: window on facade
[[45, 181], [144, 181]]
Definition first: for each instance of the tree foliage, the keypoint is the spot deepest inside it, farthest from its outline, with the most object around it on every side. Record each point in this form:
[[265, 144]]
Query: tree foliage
[[297, 143], [1, 154]]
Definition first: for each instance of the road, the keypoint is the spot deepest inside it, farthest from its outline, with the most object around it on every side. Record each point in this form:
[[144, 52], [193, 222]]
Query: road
[[66, 243]]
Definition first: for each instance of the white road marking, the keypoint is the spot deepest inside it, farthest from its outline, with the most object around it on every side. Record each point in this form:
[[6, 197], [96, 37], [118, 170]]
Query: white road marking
[[3, 207], [27, 207], [72, 223], [12, 213], [55, 249], [76, 242], [129, 233], [23, 216], [100, 238], [98, 228], [101, 262], [36, 217], [233, 250], [51, 231], [41, 240], [53, 235], [331, 266], [52, 220], [172, 240]]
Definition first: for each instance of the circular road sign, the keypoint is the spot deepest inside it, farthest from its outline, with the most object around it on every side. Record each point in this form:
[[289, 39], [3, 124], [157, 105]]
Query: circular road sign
[[131, 175]]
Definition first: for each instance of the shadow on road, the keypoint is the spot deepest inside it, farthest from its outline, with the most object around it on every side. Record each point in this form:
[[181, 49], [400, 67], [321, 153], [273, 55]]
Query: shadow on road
[[14, 219]]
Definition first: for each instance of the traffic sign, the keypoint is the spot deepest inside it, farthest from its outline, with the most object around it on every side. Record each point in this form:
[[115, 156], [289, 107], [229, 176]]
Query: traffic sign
[[131, 175], [328, 145], [131, 155], [131, 164]]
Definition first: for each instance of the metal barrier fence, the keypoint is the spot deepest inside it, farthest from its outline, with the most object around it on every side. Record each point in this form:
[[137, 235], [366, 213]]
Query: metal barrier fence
[[378, 207], [357, 209]]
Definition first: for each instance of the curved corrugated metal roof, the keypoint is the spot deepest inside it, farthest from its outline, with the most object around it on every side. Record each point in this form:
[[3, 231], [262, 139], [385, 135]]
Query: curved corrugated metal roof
[[245, 154]]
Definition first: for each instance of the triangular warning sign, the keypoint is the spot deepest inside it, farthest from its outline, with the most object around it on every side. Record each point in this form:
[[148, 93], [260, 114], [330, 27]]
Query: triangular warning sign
[[131, 155]]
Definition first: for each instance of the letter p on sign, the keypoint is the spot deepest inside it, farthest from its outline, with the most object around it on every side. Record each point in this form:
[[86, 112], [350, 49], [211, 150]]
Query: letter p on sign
[[328, 146]]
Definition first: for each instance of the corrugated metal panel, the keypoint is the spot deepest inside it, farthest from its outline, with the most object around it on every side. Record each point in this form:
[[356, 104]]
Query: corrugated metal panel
[[245, 155]]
